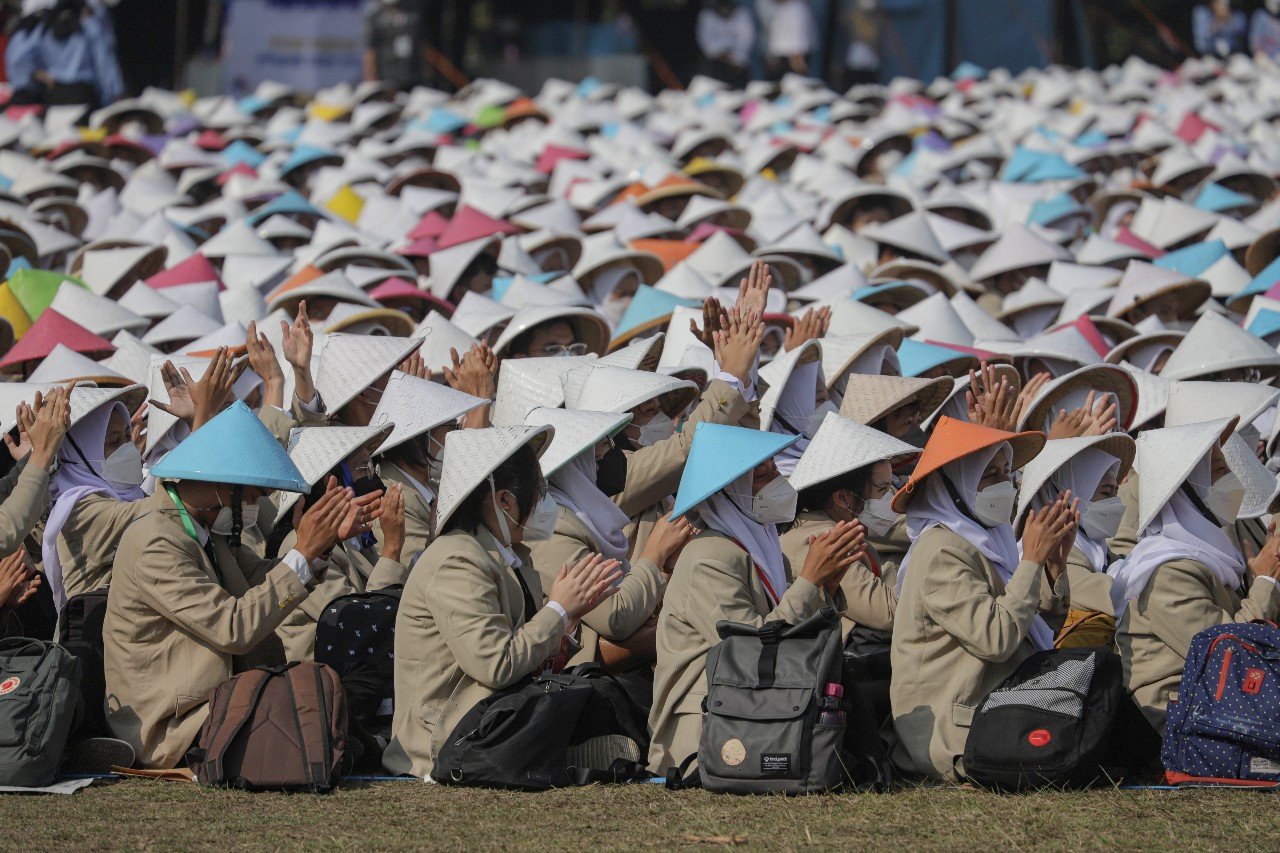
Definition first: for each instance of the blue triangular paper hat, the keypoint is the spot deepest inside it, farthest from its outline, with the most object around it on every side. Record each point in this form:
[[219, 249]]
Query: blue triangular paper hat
[[1053, 167], [1265, 322], [240, 151], [1092, 139], [1021, 162], [649, 306], [1051, 210], [967, 70], [440, 120], [1194, 259], [502, 282], [304, 154], [286, 203], [721, 454], [915, 357], [1217, 198], [234, 447], [1262, 282]]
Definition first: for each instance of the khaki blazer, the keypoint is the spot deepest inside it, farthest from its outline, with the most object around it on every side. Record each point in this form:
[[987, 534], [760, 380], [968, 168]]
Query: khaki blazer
[[350, 571], [891, 548], [638, 595], [1154, 635], [1127, 535], [175, 623], [958, 632], [1090, 590], [714, 579], [460, 636], [25, 495], [87, 542], [417, 514], [869, 601]]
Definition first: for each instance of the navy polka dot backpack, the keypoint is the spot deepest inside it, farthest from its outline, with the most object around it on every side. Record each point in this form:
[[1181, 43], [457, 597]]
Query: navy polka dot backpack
[[1224, 725]]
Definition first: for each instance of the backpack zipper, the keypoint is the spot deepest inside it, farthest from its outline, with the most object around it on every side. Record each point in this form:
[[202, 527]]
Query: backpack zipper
[[1222, 677]]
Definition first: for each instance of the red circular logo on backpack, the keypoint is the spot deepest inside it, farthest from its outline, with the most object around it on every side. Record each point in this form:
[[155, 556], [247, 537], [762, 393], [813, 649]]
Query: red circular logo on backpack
[[10, 684], [1039, 737]]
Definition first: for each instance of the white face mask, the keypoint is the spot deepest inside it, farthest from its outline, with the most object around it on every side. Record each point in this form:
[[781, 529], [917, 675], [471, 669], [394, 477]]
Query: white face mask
[[818, 416], [541, 523], [994, 504], [878, 516], [223, 523], [1224, 498], [1102, 519], [124, 466], [775, 503], [659, 428]]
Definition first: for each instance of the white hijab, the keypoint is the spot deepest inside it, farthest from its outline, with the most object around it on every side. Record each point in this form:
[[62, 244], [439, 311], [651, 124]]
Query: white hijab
[[933, 506], [795, 404], [728, 512], [1179, 532], [1081, 476], [574, 488]]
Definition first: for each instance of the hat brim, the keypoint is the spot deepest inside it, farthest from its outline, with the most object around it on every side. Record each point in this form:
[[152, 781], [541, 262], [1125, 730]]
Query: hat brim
[[1262, 251], [398, 323], [1121, 351], [900, 270], [931, 398], [1106, 378], [1190, 295], [892, 337], [1025, 446], [539, 440]]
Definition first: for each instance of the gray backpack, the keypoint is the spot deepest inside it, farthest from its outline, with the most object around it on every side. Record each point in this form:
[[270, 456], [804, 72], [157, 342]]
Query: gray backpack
[[767, 725], [39, 704]]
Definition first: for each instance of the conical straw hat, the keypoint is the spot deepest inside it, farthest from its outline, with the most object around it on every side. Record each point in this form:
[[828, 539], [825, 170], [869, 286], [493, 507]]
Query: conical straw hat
[[234, 447], [840, 446], [1059, 452], [348, 364], [938, 320], [590, 327], [98, 314], [525, 384], [839, 352], [1166, 457], [318, 450], [131, 358], [184, 325], [1103, 378], [1261, 487], [1143, 282], [639, 354], [1192, 402], [66, 365], [478, 315], [601, 388], [850, 317], [471, 455], [413, 406], [1215, 344], [868, 399], [778, 372], [576, 432]]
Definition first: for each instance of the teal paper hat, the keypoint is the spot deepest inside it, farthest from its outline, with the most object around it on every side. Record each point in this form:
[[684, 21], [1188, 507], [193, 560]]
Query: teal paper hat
[[916, 358], [649, 309], [235, 447], [1193, 260], [1265, 322], [1216, 198], [721, 454], [285, 203]]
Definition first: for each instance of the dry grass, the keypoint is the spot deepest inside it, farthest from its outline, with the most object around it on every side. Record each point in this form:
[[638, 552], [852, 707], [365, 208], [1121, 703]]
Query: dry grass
[[144, 814]]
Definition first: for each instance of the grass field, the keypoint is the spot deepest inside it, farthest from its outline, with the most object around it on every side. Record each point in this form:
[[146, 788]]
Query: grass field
[[139, 814]]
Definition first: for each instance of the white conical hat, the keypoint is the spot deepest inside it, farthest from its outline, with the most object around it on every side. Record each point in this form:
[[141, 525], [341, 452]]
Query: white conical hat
[[64, 364], [159, 422], [439, 336], [1215, 344], [334, 285], [86, 398], [850, 317], [257, 271], [478, 315], [1261, 487], [1143, 282], [802, 240], [1153, 395], [840, 446], [104, 269], [778, 372], [525, 384], [471, 455], [203, 296], [840, 352], [1066, 277], [576, 432], [131, 358], [1017, 248], [1226, 277], [1033, 294], [236, 238], [13, 393], [413, 406], [1191, 402], [590, 327], [185, 324], [448, 265], [910, 233], [230, 335], [685, 281], [681, 349], [601, 388], [524, 292], [1059, 452], [1102, 378], [840, 283], [1166, 457], [1166, 222], [243, 305], [317, 450], [98, 314], [1101, 251], [983, 326], [938, 320], [638, 354], [351, 363]]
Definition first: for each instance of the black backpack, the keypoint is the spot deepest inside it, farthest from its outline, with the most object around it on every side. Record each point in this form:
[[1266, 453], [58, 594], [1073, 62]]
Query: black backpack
[[39, 706], [356, 636], [1049, 724], [577, 727], [80, 632]]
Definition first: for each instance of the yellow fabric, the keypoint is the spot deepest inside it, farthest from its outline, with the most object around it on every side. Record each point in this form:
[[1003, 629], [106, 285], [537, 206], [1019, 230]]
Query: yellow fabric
[[1085, 628], [346, 203], [11, 311], [92, 134], [328, 112]]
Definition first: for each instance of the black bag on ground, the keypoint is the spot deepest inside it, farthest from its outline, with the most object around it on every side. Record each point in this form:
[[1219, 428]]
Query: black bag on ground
[[80, 632], [577, 727], [766, 692], [1048, 724], [39, 703]]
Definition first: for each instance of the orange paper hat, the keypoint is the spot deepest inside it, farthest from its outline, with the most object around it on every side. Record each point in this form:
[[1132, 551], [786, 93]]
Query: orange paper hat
[[954, 439]]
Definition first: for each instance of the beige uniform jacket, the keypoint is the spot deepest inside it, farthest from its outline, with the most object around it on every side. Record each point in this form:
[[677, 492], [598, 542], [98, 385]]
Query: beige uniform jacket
[[25, 495], [417, 514], [618, 617], [714, 579], [461, 635], [1090, 590], [891, 548], [958, 632], [175, 624], [869, 601], [350, 570], [1154, 635]]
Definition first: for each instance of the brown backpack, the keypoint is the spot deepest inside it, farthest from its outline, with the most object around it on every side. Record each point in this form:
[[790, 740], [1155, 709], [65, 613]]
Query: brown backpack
[[281, 727]]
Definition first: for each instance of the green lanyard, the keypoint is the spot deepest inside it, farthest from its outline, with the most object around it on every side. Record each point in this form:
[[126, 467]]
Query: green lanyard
[[187, 524]]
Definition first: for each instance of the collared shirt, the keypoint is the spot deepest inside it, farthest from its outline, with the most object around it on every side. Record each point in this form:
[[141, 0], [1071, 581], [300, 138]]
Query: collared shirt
[[509, 556], [294, 559]]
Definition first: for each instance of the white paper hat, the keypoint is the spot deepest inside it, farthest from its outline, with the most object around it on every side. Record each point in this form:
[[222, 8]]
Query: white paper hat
[[1059, 452], [840, 446], [1106, 378], [159, 422], [1166, 457], [983, 326], [471, 455], [850, 317], [867, 399], [1191, 402], [910, 233], [1216, 344], [351, 363], [182, 326], [639, 354], [131, 358], [601, 388], [527, 383], [98, 314], [439, 336], [317, 450], [1153, 395], [576, 432], [478, 315], [333, 285], [64, 364], [937, 319], [236, 238], [778, 372], [1261, 487], [413, 406], [243, 305], [524, 292], [1143, 282], [230, 335], [841, 283], [1018, 248], [590, 327], [448, 265]]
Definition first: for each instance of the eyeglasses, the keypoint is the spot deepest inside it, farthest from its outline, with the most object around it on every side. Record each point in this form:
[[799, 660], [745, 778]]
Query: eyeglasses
[[555, 350]]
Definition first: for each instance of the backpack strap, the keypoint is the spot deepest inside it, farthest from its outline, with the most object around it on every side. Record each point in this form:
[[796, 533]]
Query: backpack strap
[[770, 634], [311, 713], [246, 693], [621, 770], [680, 779]]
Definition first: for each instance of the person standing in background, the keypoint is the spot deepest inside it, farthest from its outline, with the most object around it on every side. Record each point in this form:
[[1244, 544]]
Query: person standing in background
[[1264, 31], [789, 25], [726, 33], [862, 60], [394, 52], [1218, 30], [64, 53]]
